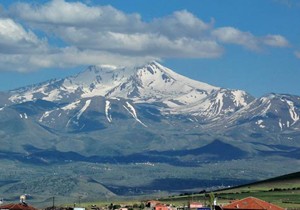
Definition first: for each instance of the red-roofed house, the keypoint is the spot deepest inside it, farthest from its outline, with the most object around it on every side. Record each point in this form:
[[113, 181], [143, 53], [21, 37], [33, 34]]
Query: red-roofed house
[[195, 205], [251, 203], [161, 207], [19, 206], [152, 203]]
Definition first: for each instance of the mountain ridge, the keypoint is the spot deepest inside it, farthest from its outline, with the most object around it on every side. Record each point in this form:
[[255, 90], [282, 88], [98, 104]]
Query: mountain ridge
[[159, 93], [147, 84], [147, 119]]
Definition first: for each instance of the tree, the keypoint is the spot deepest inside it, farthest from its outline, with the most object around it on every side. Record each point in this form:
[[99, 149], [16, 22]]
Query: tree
[[142, 206], [111, 206], [116, 206], [211, 200], [135, 206]]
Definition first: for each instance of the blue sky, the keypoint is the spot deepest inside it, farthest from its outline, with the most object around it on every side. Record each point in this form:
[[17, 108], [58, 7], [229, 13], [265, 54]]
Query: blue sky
[[253, 45]]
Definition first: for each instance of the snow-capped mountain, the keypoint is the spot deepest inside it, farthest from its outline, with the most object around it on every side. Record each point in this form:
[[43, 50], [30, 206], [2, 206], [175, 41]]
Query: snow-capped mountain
[[130, 119], [149, 96], [273, 112], [151, 84]]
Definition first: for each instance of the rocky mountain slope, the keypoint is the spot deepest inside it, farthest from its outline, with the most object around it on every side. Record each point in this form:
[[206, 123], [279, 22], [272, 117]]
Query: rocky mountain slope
[[146, 116], [147, 93]]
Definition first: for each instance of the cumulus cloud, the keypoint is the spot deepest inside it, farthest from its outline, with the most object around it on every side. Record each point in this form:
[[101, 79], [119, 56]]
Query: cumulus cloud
[[105, 35], [180, 24], [18, 45], [234, 36], [246, 39], [151, 44], [15, 39], [275, 41], [105, 28], [66, 58], [58, 13]]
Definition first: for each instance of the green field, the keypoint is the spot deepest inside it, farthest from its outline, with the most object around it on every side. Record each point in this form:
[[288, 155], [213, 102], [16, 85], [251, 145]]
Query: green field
[[283, 191]]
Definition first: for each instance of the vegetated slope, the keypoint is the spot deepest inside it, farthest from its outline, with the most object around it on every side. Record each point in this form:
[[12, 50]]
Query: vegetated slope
[[283, 182], [282, 190]]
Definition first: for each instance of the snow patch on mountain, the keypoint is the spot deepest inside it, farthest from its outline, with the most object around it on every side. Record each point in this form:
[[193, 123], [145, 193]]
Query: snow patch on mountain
[[280, 124], [28, 96], [45, 115], [53, 95], [239, 98], [132, 111], [71, 106], [218, 105], [107, 109], [265, 104], [86, 105], [292, 111], [23, 116], [260, 123]]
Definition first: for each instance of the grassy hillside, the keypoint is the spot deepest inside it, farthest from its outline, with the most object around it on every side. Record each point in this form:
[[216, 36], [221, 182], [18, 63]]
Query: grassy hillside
[[283, 191], [282, 182], [72, 181]]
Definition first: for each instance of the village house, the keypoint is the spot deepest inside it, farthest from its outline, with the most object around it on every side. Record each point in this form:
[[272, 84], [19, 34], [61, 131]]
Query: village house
[[18, 206], [161, 207], [152, 203], [195, 205], [156, 205], [251, 203]]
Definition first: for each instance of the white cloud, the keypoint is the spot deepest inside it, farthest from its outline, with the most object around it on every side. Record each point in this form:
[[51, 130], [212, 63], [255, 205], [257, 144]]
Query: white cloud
[[180, 24], [105, 35], [152, 44], [76, 14], [275, 41], [18, 46], [234, 36], [105, 28], [108, 32], [66, 58], [72, 56], [248, 40], [15, 39]]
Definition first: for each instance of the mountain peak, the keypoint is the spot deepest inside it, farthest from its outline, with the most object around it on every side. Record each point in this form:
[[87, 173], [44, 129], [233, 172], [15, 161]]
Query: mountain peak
[[150, 83], [155, 64]]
